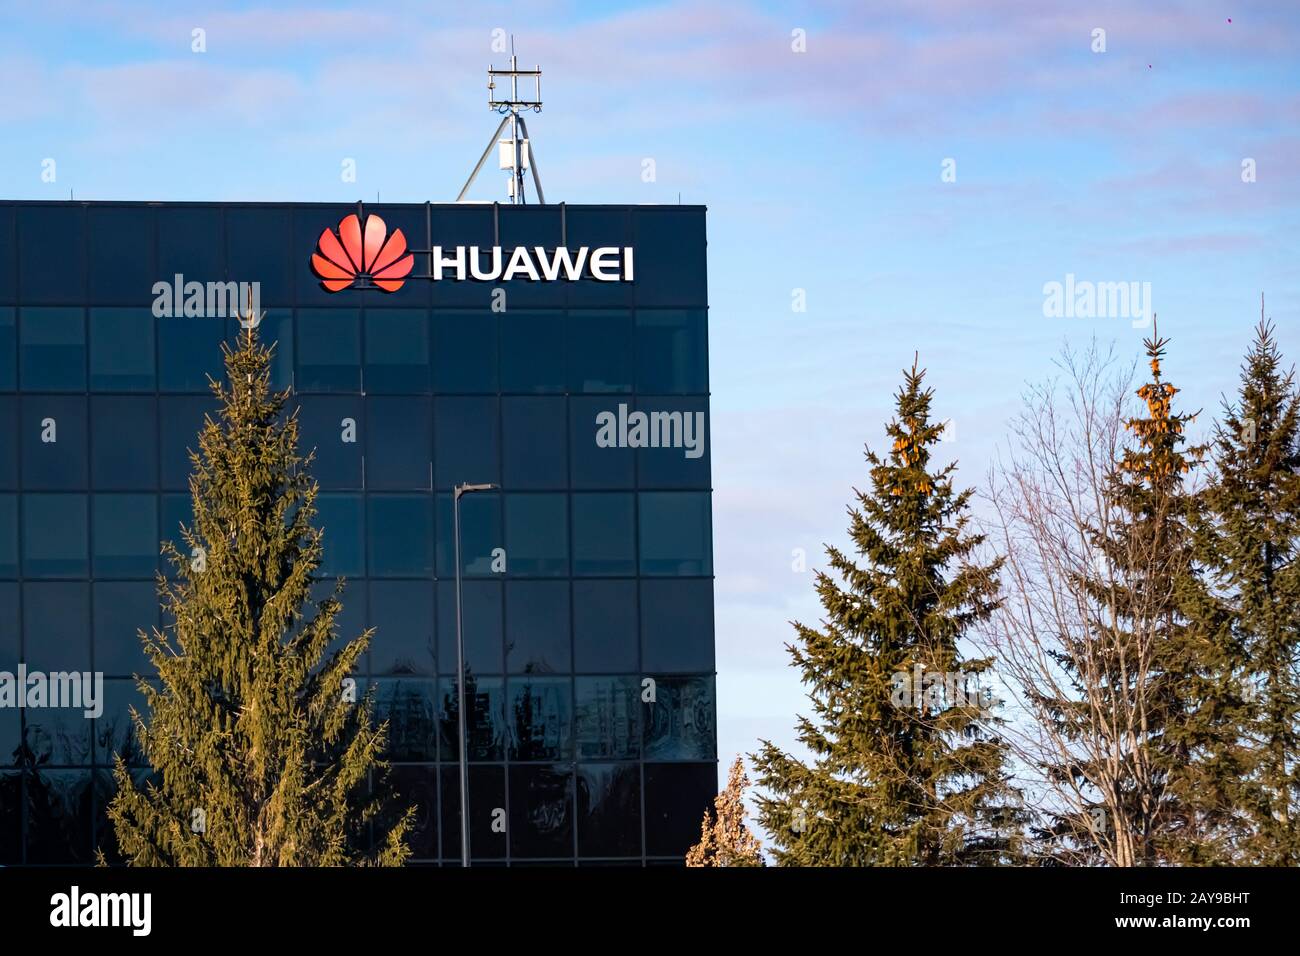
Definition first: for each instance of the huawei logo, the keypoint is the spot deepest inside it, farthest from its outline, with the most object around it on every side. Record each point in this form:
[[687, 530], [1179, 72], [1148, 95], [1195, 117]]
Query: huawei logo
[[365, 256]]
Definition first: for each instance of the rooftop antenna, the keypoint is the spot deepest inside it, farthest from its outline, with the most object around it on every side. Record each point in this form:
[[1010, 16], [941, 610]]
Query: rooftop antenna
[[515, 152]]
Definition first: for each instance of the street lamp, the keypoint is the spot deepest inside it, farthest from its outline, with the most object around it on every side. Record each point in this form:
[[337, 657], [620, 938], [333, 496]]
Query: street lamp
[[461, 490]]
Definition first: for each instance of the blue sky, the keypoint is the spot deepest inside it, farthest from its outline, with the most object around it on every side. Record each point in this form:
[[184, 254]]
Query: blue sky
[[821, 170]]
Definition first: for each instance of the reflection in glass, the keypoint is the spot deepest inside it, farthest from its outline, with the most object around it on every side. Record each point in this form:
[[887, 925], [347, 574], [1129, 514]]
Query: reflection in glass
[[609, 810], [121, 350], [541, 811], [485, 721], [541, 718], [409, 707], [607, 718], [680, 724]]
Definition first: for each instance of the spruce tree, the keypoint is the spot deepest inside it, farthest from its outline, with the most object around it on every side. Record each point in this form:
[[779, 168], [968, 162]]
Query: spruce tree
[[917, 781], [1248, 539], [1147, 662], [264, 754], [725, 840]]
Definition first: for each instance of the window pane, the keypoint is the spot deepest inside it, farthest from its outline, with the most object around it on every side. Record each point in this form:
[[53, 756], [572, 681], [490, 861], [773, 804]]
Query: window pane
[[676, 534], [487, 792], [467, 441], [537, 535], [126, 536], [605, 627], [592, 466], [54, 442], [123, 443], [276, 332], [678, 426], [53, 260], [604, 534], [189, 352], [258, 246], [600, 351], [329, 350], [541, 811], [481, 617], [397, 350], [332, 428], [8, 536], [676, 797], [532, 352], [609, 810], [677, 625], [485, 720], [672, 352], [400, 535], [535, 443], [418, 787], [340, 517], [8, 350], [177, 511], [121, 350], [608, 718], [537, 627], [670, 256], [10, 633], [8, 258], [681, 723], [410, 709], [599, 226], [180, 419], [54, 536], [56, 628], [402, 614], [482, 550], [53, 349], [399, 443], [115, 734], [540, 711], [465, 352], [121, 254], [349, 620], [190, 242], [122, 609]]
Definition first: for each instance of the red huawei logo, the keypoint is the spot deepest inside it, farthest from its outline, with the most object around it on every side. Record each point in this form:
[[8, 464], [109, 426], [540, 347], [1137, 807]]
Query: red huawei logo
[[353, 255]]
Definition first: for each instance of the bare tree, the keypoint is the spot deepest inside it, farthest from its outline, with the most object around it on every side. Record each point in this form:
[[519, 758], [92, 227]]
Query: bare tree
[[1077, 636]]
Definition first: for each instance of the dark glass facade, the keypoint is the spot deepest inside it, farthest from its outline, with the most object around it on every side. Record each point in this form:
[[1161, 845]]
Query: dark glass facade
[[588, 577]]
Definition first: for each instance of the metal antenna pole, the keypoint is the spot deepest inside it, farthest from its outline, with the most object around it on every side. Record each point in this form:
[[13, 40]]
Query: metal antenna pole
[[519, 145]]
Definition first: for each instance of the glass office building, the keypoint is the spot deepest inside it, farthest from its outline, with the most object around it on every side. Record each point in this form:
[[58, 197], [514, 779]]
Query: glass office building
[[588, 577]]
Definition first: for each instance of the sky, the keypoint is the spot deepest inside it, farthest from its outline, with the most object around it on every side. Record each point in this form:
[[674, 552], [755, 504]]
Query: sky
[[883, 180]]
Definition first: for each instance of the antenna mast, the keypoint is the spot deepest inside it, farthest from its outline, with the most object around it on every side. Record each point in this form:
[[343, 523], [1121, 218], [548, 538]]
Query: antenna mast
[[515, 152]]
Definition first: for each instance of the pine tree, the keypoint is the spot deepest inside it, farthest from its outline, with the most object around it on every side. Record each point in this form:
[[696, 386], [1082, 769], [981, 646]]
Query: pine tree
[[265, 755], [917, 778], [1146, 663], [725, 840], [1248, 539]]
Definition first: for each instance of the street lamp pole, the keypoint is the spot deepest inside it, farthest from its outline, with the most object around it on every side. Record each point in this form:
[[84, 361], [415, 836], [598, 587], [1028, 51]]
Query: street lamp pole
[[458, 493]]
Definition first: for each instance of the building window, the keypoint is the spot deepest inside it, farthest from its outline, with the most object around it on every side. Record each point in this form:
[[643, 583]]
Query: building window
[[672, 352], [54, 536], [604, 534], [121, 268], [481, 622], [465, 352], [399, 443], [541, 811], [329, 350], [677, 625], [397, 351], [54, 442], [334, 428], [532, 352], [401, 612], [180, 420], [609, 810], [121, 350], [539, 712], [410, 707], [122, 610], [53, 349], [482, 551], [344, 542], [537, 535], [189, 353], [600, 351], [124, 443], [605, 627], [607, 718], [486, 729], [676, 533], [8, 536], [535, 445], [537, 627], [400, 534], [467, 434], [680, 723], [8, 350], [125, 536]]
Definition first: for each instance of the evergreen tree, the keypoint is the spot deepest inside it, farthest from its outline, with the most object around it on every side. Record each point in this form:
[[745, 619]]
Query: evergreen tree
[[266, 756], [1146, 663], [725, 840], [910, 779], [1248, 536]]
